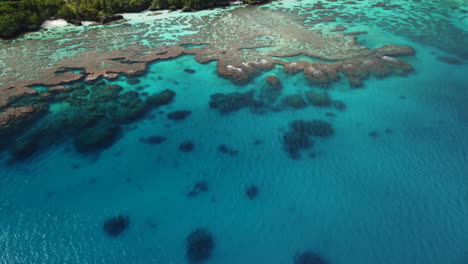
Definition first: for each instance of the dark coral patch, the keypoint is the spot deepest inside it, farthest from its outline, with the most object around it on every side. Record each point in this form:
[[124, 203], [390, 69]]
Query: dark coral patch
[[225, 149], [227, 103], [186, 146], [252, 192], [133, 81], [317, 128], [115, 226], [299, 135], [97, 138], [24, 148], [197, 188], [153, 140], [321, 99], [161, 98], [294, 101], [309, 257], [200, 244], [178, 115]]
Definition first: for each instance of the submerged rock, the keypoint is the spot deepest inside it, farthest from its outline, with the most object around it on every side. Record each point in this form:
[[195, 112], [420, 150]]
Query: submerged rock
[[294, 141], [225, 149], [115, 226], [24, 148], [251, 192], [178, 115], [191, 71], [130, 107], [106, 93], [317, 128], [294, 101], [273, 82], [153, 140], [355, 82], [298, 136], [227, 103], [449, 60], [269, 93], [198, 187], [97, 138], [186, 146], [200, 244], [309, 257], [161, 98], [318, 99], [373, 134], [339, 105], [133, 81]]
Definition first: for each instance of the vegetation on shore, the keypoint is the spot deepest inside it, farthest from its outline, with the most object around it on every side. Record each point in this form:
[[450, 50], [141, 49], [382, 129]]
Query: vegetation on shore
[[21, 16]]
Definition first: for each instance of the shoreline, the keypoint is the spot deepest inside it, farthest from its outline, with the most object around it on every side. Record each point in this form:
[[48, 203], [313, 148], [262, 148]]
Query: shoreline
[[106, 19]]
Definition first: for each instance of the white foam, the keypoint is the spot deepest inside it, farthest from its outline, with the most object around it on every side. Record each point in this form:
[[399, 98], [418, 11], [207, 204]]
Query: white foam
[[54, 23]]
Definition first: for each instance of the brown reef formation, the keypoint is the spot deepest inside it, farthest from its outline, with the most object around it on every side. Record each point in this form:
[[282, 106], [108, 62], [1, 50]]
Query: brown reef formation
[[244, 44]]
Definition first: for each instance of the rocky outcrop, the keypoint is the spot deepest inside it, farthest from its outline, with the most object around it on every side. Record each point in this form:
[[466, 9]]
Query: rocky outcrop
[[16, 119]]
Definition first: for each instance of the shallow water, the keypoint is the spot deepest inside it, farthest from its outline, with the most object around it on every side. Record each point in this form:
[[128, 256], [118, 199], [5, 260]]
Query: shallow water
[[399, 197]]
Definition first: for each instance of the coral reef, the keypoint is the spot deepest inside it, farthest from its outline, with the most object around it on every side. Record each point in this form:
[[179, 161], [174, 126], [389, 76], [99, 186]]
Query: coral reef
[[186, 146], [115, 226], [97, 138], [252, 192], [309, 257], [298, 137], [225, 149], [227, 103], [199, 245], [153, 140], [242, 51], [318, 98], [295, 101], [197, 188], [178, 115]]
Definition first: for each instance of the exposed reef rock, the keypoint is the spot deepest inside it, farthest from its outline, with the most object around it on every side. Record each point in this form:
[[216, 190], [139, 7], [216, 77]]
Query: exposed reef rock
[[394, 51], [319, 73], [274, 82], [115, 226], [16, 119], [199, 246]]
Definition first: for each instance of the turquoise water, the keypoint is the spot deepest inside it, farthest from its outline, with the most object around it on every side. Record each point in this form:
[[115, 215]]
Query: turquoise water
[[399, 197]]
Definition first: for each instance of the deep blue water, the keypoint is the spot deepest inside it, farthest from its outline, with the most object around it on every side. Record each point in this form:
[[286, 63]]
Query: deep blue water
[[400, 197]]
